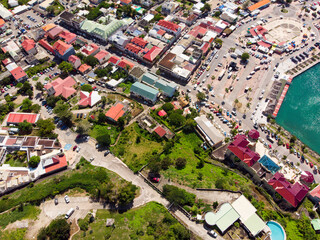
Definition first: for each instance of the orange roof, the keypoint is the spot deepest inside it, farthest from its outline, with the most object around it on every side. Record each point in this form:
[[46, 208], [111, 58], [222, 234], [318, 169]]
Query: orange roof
[[124, 63], [258, 5], [18, 73], [2, 21], [57, 163], [28, 44], [61, 47], [115, 112], [126, 1], [84, 67], [46, 28]]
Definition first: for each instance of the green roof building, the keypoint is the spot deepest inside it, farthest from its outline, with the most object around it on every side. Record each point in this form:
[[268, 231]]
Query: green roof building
[[315, 224], [99, 30], [167, 88], [145, 92]]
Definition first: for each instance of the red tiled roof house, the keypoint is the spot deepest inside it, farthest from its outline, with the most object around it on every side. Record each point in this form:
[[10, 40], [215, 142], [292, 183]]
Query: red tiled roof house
[[75, 61], [16, 118], [18, 74], [63, 50], [61, 87], [115, 112], [29, 46], [102, 56]]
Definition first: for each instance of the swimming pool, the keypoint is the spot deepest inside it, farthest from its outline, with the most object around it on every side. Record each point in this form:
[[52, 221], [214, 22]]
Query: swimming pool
[[277, 232]]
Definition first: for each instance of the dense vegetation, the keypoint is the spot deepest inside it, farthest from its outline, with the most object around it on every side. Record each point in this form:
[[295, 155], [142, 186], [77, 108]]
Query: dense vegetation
[[86, 177], [151, 221], [57, 229]]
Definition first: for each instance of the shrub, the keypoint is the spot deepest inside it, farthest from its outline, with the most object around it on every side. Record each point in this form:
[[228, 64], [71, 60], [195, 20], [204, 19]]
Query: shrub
[[178, 195], [181, 163], [34, 161]]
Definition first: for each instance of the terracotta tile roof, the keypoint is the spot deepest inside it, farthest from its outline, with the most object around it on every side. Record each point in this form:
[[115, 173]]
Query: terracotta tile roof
[[133, 48], [124, 63], [84, 67], [61, 47], [115, 112], [20, 117], [48, 27], [18, 73], [139, 42], [307, 177], [258, 5], [315, 192], [73, 58], [6, 61], [161, 32], [169, 25], [100, 55], [114, 60], [46, 45], [160, 131], [62, 87], [167, 61], [239, 147], [68, 36], [2, 22], [254, 134], [126, 1], [292, 193], [58, 163], [162, 113], [28, 44], [152, 53], [89, 49], [54, 32]]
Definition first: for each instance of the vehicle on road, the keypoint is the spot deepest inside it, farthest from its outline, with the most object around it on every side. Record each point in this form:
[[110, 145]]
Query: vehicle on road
[[221, 74], [213, 234], [75, 147], [66, 199], [106, 153], [56, 201], [69, 213]]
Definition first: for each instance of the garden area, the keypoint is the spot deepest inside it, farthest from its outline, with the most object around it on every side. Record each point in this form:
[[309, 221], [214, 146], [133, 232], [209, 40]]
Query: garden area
[[134, 147], [17, 159], [151, 221], [94, 180], [112, 130]]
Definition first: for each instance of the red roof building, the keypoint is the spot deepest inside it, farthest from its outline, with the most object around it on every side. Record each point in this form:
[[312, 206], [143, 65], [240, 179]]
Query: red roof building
[[124, 63], [102, 56], [169, 26], [68, 37], [18, 74], [57, 163], [29, 46], [15, 118], [161, 32], [162, 113], [307, 177], [46, 45], [84, 68], [205, 47], [133, 48], [114, 60], [125, 2], [152, 54], [139, 42], [115, 112], [63, 87], [315, 193], [239, 147], [254, 134], [75, 61], [63, 49], [292, 193], [160, 131], [6, 61], [201, 31], [54, 32], [90, 49]]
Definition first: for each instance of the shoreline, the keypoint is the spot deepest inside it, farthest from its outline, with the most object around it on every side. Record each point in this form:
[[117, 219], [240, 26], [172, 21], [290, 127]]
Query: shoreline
[[299, 143]]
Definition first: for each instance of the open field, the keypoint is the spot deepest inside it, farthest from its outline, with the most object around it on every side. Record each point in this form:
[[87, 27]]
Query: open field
[[134, 152], [151, 221]]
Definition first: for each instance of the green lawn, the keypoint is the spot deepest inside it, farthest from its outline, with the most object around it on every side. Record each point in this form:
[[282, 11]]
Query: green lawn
[[110, 129], [28, 212], [126, 85], [151, 221], [133, 152], [17, 159], [13, 234], [194, 177]]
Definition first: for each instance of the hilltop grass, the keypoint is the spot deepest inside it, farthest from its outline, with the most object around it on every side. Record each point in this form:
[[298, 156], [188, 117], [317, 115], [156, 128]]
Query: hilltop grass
[[134, 146], [27, 212], [88, 178], [209, 176], [151, 221]]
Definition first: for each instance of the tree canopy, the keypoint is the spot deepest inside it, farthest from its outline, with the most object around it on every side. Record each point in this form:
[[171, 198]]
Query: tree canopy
[[91, 60], [26, 105], [65, 67], [25, 128], [201, 96], [46, 127], [245, 56], [34, 161], [176, 119], [62, 110], [57, 229], [86, 88], [178, 195], [104, 139]]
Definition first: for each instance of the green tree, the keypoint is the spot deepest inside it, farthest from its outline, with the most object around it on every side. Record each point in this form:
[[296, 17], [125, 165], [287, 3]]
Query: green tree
[[25, 128], [121, 122], [181, 163], [218, 41], [34, 161], [176, 119], [26, 105], [201, 96], [46, 127], [50, 9], [91, 60], [102, 117], [178, 195], [167, 107], [62, 110], [86, 88], [83, 127], [127, 193], [245, 56], [65, 67], [25, 87], [39, 86], [189, 126], [104, 139], [206, 8], [35, 108], [58, 229]]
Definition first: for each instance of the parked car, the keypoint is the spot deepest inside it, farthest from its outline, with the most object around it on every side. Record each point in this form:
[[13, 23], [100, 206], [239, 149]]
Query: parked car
[[213, 234], [56, 201], [66, 198], [75, 147]]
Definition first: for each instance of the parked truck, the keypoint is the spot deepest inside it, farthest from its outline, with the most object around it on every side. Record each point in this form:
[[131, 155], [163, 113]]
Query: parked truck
[[222, 74]]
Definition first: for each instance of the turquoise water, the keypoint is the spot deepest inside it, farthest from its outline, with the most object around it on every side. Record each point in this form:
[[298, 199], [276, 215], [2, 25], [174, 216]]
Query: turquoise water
[[300, 110], [276, 231]]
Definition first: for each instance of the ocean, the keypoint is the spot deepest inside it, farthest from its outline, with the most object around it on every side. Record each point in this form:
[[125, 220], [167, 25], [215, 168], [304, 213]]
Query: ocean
[[300, 110]]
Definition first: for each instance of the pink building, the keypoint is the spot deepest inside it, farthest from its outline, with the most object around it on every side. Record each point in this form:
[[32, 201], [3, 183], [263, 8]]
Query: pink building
[[63, 87]]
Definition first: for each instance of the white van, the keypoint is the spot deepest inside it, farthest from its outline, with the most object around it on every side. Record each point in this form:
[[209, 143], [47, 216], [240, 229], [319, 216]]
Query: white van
[[253, 72], [69, 213], [229, 75], [257, 68], [195, 86]]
